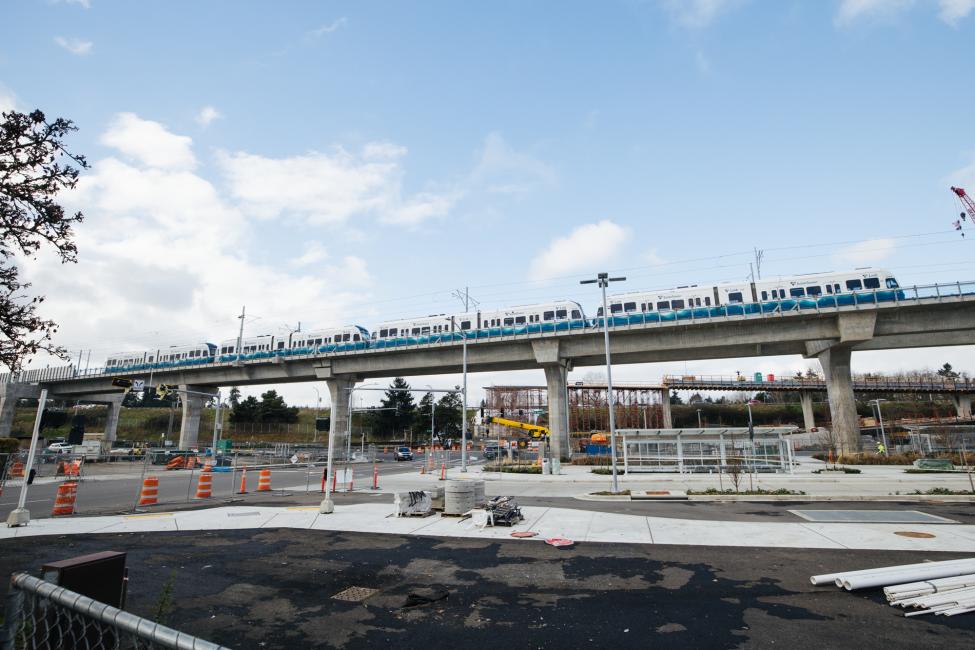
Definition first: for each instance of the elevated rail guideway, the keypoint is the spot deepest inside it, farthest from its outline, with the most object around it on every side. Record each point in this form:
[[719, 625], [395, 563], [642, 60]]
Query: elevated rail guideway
[[911, 317]]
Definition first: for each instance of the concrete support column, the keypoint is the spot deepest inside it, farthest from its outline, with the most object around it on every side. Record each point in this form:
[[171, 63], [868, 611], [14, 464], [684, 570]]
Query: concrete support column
[[963, 406], [556, 381], [189, 428], [338, 427], [668, 422], [114, 403], [808, 417], [842, 405], [10, 394]]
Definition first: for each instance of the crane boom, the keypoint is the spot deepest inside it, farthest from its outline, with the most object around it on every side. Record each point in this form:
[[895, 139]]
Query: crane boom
[[536, 430], [966, 202]]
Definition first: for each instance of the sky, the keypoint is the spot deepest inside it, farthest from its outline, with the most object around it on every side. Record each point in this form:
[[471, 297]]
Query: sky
[[327, 163]]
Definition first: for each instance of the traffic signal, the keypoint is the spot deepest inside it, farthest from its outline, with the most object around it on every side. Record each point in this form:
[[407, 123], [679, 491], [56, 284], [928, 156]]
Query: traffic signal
[[162, 390], [122, 383]]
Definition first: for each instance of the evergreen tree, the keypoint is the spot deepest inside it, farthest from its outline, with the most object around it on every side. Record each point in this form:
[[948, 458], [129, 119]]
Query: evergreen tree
[[273, 408], [234, 398], [947, 372], [248, 410], [395, 422], [423, 414], [449, 415]]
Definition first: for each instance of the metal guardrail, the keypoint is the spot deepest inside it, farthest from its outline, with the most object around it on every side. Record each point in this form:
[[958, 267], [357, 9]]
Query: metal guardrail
[[876, 299], [43, 615], [719, 382]]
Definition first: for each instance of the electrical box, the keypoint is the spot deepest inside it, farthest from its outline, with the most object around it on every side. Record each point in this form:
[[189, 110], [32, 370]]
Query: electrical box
[[101, 576]]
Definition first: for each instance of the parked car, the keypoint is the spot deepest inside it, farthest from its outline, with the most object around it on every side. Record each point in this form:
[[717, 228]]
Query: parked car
[[491, 452], [60, 447], [403, 453]]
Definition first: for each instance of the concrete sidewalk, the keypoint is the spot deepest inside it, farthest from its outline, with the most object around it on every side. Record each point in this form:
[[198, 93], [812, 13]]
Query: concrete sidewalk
[[578, 525]]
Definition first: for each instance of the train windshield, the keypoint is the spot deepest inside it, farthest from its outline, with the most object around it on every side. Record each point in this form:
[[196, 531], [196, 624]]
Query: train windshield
[[892, 283]]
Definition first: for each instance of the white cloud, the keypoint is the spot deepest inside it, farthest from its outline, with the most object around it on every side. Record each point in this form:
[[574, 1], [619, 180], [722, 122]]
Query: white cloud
[[76, 46], [166, 258], [84, 4], [207, 114], [328, 28], [503, 170], [864, 253], [851, 11], [583, 249], [953, 11], [322, 188], [314, 252], [149, 143], [423, 206], [8, 100], [696, 14]]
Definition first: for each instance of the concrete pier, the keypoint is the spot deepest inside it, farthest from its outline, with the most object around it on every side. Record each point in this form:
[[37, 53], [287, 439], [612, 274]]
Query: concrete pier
[[668, 418], [842, 405], [963, 406], [189, 428], [339, 387], [808, 416], [10, 394]]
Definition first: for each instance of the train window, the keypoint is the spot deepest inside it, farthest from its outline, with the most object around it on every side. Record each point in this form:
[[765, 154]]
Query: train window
[[854, 285], [576, 314], [150, 359], [424, 330], [664, 304], [814, 290], [392, 331], [548, 315], [615, 308], [697, 301], [317, 342], [561, 314], [707, 301], [280, 345], [465, 324], [797, 292], [676, 304], [520, 320], [346, 337], [383, 333], [599, 312], [871, 283], [735, 296], [509, 321], [629, 306], [765, 295], [892, 283], [355, 337], [829, 288]]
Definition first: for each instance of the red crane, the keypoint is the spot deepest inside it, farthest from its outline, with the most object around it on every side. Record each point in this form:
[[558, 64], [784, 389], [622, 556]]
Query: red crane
[[966, 202]]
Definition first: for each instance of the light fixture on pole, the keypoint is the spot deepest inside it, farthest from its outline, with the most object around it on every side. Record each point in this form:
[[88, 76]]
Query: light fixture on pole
[[880, 420], [699, 419], [603, 281]]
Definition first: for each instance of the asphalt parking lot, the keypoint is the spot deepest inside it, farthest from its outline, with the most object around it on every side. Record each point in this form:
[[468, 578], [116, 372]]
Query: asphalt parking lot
[[274, 589]]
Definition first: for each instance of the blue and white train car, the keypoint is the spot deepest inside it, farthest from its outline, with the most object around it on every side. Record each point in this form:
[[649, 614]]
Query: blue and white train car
[[810, 291], [171, 357], [339, 339], [122, 361], [411, 331], [252, 347], [561, 315]]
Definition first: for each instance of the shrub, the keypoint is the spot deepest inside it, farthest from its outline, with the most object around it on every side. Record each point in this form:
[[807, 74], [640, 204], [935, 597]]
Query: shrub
[[607, 471], [845, 470], [758, 492], [514, 469], [607, 493]]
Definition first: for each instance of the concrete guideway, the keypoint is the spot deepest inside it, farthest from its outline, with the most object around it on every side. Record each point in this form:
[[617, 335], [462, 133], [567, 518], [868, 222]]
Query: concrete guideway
[[578, 525], [829, 335]]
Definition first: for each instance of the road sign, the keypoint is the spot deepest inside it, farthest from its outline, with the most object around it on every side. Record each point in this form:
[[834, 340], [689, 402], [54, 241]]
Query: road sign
[[294, 459], [138, 385]]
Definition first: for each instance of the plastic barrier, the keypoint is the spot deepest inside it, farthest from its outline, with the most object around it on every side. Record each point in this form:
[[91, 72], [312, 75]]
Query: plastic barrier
[[204, 487], [65, 499], [17, 470], [150, 491], [264, 481]]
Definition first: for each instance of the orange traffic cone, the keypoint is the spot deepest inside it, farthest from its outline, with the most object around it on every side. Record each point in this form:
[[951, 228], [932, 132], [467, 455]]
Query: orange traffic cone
[[264, 481], [443, 471], [64, 501], [150, 491], [375, 476], [17, 470], [243, 482], [204, 487]]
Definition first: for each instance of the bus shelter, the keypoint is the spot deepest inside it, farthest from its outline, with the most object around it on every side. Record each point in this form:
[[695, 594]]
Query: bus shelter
[[765, 449]]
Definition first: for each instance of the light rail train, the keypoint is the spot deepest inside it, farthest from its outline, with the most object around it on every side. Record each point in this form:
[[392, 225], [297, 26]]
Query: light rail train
[[798, 292]]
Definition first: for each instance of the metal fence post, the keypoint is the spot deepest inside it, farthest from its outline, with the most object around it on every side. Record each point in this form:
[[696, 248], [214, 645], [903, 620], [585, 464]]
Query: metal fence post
[[14, 615]]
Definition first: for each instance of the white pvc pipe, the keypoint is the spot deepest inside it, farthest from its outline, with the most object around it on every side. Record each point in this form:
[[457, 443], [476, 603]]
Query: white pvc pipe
[[899, 592], [881, 579], [828, 578]]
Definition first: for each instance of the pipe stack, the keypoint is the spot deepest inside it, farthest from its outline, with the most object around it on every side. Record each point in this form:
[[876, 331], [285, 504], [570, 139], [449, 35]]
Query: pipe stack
[[946, 587]]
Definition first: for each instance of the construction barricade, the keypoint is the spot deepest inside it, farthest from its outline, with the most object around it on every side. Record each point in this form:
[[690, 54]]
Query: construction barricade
[[65, 499], [204, 487], [264, 481], [150, 491]]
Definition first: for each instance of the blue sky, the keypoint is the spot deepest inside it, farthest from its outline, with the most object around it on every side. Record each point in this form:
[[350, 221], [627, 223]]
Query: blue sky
[[347, 162]]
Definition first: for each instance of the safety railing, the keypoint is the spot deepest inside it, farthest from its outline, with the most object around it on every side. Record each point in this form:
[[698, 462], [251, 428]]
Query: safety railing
[[41, 614], [873, 299], [959, 385]]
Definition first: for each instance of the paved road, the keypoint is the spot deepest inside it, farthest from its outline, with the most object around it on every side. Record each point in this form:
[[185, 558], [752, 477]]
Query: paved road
[[273, 589], [120, 494]]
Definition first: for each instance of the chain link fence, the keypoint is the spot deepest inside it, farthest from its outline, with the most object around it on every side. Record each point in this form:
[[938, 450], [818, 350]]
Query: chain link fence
[[42, 615]]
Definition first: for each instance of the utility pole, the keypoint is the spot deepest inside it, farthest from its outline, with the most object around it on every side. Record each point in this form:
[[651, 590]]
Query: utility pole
[[466, 299], [603, 281], [240, 336]]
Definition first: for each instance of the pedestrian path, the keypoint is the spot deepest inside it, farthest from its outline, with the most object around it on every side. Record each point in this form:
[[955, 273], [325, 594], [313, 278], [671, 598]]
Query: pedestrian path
[[578, 525]]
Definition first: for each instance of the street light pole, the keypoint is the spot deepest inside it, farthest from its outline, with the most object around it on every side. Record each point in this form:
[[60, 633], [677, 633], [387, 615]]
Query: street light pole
[[699, 426], [20, 516], [463, 421], [603, 281]]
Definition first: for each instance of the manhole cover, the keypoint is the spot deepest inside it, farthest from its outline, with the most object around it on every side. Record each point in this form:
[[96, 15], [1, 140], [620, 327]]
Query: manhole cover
[[871, 517], [914, 534], [354, 594]]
